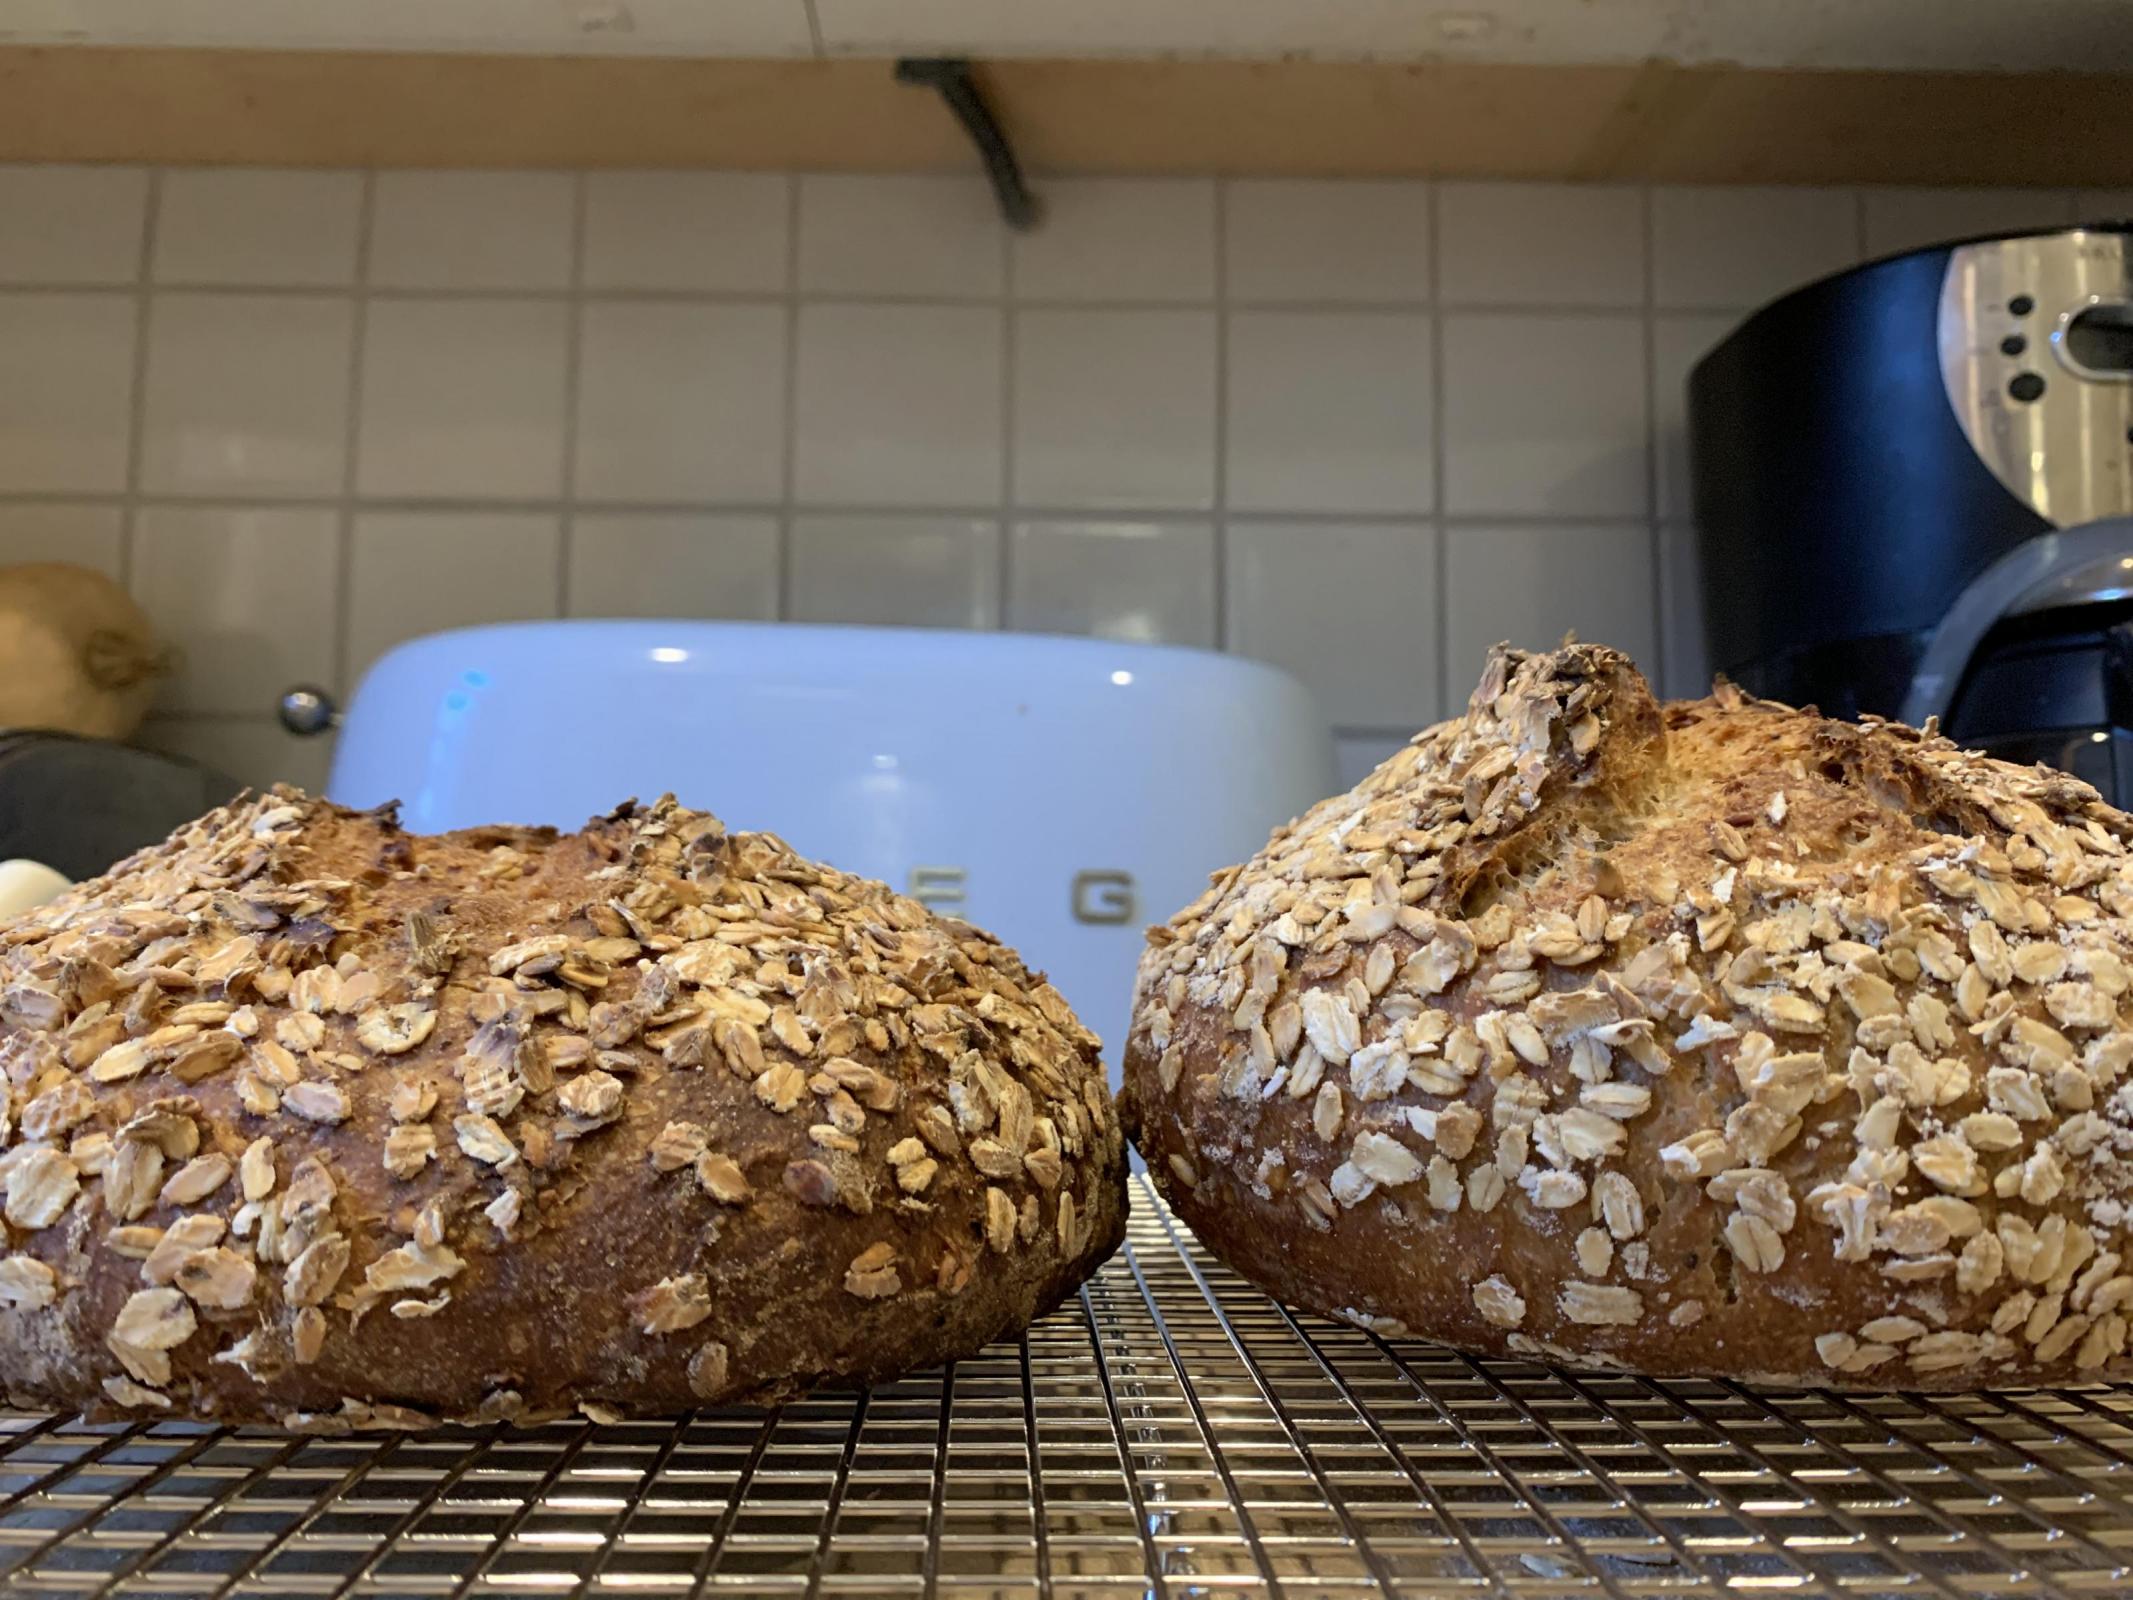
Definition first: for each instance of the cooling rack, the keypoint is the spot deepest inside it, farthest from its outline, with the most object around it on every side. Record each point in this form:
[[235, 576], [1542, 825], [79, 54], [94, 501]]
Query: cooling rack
[[1169, 1433]]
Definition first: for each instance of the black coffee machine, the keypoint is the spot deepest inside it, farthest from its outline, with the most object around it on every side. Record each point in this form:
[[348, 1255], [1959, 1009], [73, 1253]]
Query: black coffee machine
[[1914, 496]]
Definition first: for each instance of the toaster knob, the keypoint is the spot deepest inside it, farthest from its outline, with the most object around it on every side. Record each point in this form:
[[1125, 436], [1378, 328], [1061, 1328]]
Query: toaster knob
[[309, 710]]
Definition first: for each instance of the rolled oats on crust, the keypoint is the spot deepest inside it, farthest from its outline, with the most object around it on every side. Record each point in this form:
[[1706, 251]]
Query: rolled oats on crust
[[1753, 1042], [308, 1119]]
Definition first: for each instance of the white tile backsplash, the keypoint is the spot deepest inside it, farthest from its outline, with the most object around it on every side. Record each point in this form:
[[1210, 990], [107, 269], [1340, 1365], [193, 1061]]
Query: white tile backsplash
[[1733, 249], [896, 571], [1137, 582], [1350, 608], [246, 594], [1358, 428], [1329, 411], [899, 404], [687, 232], [905, 235], [463, 399], [64, 530], [1540, 244], [472, 230], [1531, 585], [681, 402], [1544, 415], [256, 227], [66, 384], [1120, 239], [674, 564], [1679, 341], [1115, 410], [417, 572], [1358, 241], [71, 225], [1681, 640], [247, 394]]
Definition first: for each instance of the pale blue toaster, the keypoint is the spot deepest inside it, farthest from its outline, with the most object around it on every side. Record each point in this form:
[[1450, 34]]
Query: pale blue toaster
[[1061, 792]]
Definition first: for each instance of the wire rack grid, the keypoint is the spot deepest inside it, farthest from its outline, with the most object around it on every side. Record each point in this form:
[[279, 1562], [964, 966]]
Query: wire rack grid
[[1170, 1432]]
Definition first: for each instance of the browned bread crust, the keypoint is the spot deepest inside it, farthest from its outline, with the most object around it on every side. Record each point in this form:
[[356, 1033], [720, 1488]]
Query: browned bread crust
[[1714, 1038], [315, 1121]]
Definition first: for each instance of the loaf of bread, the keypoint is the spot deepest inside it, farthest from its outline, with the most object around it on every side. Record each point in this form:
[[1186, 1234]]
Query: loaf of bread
[[314, 1121], [1712, 1038]]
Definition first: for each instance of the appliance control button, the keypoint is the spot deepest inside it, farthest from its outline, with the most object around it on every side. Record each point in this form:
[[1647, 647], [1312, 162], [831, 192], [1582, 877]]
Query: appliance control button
[[2013, 345], [2021, 305], [2025, 386]]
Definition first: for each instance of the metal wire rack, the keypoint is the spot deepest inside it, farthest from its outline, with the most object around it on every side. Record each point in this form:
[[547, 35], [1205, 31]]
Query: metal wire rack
[[1169, 1433]]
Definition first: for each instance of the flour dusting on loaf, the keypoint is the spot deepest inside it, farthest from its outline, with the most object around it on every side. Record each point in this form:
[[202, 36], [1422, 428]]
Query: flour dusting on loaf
[[1715, 1038], [308, 1119]]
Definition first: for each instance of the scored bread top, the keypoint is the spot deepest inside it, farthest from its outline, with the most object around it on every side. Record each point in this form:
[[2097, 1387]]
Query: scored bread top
[[315, 1119], [1715, 1037]]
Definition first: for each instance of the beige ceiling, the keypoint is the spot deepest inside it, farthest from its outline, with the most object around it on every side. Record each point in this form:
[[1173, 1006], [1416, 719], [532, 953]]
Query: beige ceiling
[[2019, 35]]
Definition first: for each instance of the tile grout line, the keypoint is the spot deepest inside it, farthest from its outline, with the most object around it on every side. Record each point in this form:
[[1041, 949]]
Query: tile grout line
[[143, 292], [573, 381], [440, 292], [1010, 352], [789, 458], [1221, 484], [352, 441], [1440, 522], [1662, 651], [472, 504]]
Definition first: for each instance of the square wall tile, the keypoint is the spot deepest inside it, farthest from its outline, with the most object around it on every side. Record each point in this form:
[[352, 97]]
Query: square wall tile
[[1540, 244], [1329, 411], [1731, 249], [702, 232], [62, 530], [915, 572], [472, 230], [247, 394], [1349, 608], [651, 564], [1343, 240], [263, 226], [899, 234], [1532, 585], [681, 402], [68, 224], [1679, 341], [1909, 219], [248, 597], [1544, 415], [1357, 755], [1120, 239], [1136, 582], [66, 387], [1688, 659], [899, 405], [1115, 410], [254, 752], [463, 398], [418, 572]]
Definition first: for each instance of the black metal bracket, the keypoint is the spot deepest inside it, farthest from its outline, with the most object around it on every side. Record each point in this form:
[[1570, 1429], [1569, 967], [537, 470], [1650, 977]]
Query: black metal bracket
[[950, 75]]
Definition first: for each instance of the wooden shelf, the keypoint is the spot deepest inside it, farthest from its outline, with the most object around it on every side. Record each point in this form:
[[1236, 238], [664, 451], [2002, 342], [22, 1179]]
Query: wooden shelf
[[1654, 122]]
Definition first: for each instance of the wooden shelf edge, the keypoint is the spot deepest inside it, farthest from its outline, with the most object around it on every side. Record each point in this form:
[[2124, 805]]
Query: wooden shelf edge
[[1654, 122]]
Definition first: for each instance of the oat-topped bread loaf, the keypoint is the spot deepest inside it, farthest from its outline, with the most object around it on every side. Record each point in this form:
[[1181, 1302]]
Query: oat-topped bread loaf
[[1708, 1038], [317, 1121]]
